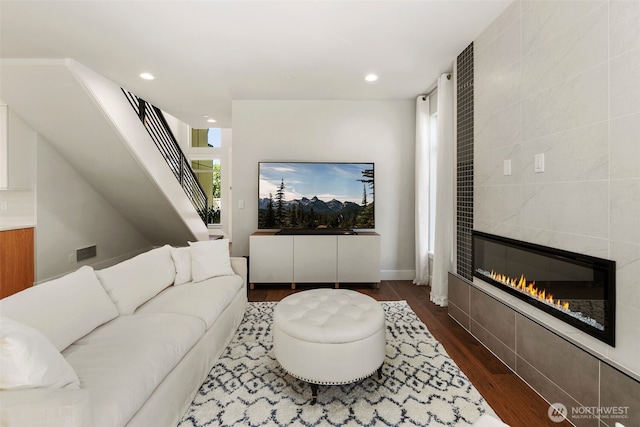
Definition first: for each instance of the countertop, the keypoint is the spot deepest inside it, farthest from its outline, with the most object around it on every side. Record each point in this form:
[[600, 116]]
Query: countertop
[[16, 223]]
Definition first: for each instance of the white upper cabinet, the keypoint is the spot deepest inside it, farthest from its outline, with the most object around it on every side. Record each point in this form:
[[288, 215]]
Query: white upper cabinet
[[17, 152]]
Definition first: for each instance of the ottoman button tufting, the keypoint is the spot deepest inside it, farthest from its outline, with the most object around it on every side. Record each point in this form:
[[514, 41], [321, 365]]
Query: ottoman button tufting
[[329, 336]]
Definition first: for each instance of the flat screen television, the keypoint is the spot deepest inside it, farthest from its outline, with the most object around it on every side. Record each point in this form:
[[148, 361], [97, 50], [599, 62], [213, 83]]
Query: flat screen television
[[316, 196]]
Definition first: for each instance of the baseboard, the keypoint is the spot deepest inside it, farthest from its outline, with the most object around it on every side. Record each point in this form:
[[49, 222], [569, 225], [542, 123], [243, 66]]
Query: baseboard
[[397, 274]]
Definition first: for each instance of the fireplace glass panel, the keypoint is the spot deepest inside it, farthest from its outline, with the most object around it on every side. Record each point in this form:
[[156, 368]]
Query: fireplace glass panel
[[576, 288]]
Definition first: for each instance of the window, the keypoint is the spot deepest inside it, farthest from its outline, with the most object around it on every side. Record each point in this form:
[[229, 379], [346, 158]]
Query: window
[[209, 153], [211, 138], [208, 174]]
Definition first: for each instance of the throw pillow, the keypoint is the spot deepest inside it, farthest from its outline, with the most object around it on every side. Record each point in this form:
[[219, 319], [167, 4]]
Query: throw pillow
[[63, 310], [29, 360], [182, 259], [135, 281], [210, 258]]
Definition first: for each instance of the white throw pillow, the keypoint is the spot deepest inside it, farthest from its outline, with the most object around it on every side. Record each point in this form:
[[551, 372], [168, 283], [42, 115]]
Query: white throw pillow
[[135, 281], [210, 258], [64, 309], [182, 259], [29, 360]]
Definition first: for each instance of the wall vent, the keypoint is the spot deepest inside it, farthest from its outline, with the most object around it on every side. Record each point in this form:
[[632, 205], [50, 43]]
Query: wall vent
[[86, 253]]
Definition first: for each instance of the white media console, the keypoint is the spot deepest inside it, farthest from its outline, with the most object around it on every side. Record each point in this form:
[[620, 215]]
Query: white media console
[[353, 258]]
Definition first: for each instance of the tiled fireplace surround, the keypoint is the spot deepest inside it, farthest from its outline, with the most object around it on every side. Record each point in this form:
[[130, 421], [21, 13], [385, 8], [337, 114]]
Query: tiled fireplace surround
[[556, 368], [559, 78]]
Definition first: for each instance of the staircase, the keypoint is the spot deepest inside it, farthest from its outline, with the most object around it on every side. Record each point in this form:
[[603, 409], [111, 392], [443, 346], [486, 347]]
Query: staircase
[[154, 122], [86, 118]]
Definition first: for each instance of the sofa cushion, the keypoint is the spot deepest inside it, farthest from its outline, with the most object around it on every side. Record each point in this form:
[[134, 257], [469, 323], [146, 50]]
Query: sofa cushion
[[29, 360], [206, 299], [63, 309], [122, 362], [182, 260], [134, 281], [210, 258]]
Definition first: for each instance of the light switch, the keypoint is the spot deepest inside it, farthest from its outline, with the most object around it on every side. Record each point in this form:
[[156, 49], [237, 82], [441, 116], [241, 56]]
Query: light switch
[[507, 167], [4, 205], [240, 204], [538, 163]]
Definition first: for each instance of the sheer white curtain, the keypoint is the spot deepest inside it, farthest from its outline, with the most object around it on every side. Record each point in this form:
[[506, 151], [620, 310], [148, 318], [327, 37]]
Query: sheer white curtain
[[423, 134], [443, 245]]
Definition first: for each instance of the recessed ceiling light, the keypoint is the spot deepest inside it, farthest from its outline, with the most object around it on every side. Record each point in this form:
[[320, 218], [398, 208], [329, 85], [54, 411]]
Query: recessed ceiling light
[[211, 120], [371, 77], [147, 76]]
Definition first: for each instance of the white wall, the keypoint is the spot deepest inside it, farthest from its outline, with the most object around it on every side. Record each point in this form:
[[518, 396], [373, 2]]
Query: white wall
[[72, 215], [18, 203], [361, 131], [563, 79]]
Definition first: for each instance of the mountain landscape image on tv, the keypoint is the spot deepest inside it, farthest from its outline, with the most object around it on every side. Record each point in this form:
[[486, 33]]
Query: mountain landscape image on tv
[[314, 195]]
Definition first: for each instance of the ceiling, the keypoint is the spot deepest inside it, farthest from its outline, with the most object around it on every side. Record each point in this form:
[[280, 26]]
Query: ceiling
[[207, 53]]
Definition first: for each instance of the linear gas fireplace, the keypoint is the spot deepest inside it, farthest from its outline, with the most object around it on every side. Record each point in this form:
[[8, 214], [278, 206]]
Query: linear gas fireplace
[[575, 288]]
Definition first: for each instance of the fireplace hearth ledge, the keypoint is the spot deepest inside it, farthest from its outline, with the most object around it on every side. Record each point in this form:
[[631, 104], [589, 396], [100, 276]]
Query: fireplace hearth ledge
[[575, 336]]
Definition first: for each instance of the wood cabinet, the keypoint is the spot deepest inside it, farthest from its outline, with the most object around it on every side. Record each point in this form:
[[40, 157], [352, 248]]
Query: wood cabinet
[[314, 258], [16, 261]]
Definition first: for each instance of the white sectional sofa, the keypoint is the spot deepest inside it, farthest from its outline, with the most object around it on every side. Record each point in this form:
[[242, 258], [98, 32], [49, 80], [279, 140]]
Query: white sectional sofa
[[128, 345]]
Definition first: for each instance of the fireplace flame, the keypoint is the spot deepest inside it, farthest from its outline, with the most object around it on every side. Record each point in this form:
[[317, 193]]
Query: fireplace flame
[[529, 288]]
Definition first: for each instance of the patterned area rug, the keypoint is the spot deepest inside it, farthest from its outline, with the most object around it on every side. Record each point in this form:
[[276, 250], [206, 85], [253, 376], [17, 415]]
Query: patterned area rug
[[420, 385]]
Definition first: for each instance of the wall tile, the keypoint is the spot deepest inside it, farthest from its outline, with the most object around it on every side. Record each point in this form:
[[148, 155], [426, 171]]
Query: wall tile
[[526, 5], [498, 228], [501, 52], [497, 27], [497, 87], [569, 207], [495, 317], [624, 26], [498, 129], [625, 148], [597, 247], [627, 258], [580, 47], [551, 392], [578, 101], [625, 210], [458, 315], [459, 292], [619, 390], [572, 369], [499, 203], [489, 168], [625, 83], [574, 155], [546, 19], [497, 347], [465, 132], [627, 346]]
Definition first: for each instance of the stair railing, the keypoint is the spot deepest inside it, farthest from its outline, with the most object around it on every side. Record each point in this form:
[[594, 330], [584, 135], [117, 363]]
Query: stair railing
[[159, 131]]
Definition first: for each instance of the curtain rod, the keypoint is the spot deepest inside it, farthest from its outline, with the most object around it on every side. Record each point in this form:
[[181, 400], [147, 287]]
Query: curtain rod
[[432, 88]]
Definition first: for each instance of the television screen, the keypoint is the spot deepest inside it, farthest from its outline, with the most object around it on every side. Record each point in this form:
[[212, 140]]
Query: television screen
[[305, 195]]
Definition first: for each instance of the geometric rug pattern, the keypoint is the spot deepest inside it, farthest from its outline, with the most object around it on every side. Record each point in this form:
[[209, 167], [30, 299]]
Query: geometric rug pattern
[[420, 384]]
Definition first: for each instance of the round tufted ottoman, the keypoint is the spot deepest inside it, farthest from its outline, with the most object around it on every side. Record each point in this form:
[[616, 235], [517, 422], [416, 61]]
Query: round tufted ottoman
[[329, 336]]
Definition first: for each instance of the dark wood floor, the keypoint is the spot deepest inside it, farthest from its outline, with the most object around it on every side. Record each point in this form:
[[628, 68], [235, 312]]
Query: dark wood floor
[[513, 400]]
